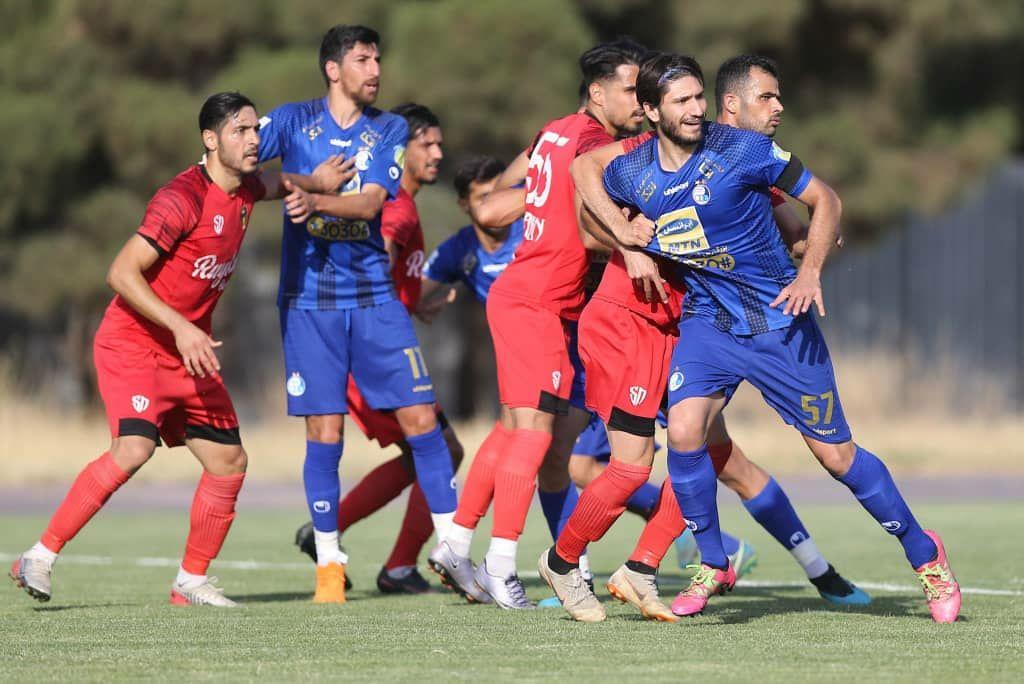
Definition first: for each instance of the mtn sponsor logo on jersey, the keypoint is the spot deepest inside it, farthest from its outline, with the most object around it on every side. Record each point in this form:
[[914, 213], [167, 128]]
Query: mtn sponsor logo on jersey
[[337, 230], [681, 232]]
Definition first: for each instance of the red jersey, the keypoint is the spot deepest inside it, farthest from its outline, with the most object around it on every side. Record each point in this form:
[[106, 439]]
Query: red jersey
[[400, 223], [551, 263], [198, 230]]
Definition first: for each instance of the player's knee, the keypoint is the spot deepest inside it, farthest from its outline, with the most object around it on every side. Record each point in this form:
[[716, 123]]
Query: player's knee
[[835, 458], [685, 434], [581, 470], [234, 461], [327, 429], [131, 454], [416, 420]]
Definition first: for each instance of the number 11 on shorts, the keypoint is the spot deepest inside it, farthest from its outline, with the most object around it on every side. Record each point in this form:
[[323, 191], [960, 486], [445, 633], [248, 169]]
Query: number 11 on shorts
[[416, 363]]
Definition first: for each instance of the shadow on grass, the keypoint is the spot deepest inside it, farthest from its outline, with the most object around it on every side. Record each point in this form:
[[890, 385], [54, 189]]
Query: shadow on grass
[[274, 597], [76, 606]]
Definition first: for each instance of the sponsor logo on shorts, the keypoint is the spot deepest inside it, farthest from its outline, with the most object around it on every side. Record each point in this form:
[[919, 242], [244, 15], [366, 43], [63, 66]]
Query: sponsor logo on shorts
[[422, 388], [452, 482], [675, 381], [218, 224], [322, 506], [692, 525], [140, 403], [823, 432], [296, 386], [556, 380], [892, 525], [701, 194], [796, 538], [637, 395]]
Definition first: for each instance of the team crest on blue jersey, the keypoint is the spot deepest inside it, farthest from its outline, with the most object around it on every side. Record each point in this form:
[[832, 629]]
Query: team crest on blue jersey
[[363, 158], [296, 386], [701, 193], [469, 262]]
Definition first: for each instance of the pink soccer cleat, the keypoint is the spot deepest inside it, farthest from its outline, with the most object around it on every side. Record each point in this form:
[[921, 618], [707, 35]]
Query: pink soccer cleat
[[707, 581], [940, 586]]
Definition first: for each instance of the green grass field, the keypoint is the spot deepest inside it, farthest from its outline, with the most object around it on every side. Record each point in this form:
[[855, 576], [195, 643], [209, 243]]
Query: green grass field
[[110, 619]]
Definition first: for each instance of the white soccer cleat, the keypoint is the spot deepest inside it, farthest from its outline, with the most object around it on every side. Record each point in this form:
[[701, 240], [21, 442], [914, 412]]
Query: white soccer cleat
[[572, 590], [33, 575], [507, 592], [206, 594], [456, 573]]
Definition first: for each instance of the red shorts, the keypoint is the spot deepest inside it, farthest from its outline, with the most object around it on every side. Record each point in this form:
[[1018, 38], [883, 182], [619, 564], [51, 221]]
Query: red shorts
[[379, 425], [532, 354], [627, 361], [150, 394]]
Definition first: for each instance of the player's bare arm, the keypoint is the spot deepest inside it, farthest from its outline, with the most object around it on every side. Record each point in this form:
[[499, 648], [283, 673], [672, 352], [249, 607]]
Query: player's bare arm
[[326, 178], [587, 173], [126, 278], [514, 173], [361, 206], [434, 296], [501, 207], [805, 290]]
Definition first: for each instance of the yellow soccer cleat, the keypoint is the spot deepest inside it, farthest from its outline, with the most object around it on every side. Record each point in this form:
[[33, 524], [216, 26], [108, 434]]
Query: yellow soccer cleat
[[330, 583]]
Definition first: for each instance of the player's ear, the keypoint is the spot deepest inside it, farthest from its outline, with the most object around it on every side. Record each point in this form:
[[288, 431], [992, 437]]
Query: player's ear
[[596, 93], [652, 112], [731, 102], [333, 71], [464, 204], [210, 140]]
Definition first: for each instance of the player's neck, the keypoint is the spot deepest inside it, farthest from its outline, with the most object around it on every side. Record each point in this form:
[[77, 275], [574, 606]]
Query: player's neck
[[493, 240], [226, 179], [672, 155], [344, 110], [598, 115]]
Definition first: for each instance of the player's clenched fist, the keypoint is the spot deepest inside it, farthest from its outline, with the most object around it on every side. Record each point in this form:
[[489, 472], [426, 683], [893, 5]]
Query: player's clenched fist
[[298, 204], [639, 234], [196, 349]]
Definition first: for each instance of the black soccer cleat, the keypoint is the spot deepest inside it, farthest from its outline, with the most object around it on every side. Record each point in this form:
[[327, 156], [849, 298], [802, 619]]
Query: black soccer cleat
[[306, 542], [413, 583], [836, 589]]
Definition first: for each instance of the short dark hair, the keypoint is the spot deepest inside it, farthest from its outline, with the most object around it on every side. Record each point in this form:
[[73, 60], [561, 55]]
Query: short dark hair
[[419, 117], [476, 170], [601, 61], [340, 39], [219, 107], [659, 70], [735, 72]]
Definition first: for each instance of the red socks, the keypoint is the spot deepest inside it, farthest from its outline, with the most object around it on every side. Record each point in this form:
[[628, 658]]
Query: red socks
[[91, 489], [515, 480], [417, 526], [479, 490], [213, 510], [600, 505], [664, 526], [380, 486]]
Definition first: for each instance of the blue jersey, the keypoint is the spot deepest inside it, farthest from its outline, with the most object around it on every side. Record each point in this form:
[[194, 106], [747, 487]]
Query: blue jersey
[[462, 258], [714, 215], [330, 262]]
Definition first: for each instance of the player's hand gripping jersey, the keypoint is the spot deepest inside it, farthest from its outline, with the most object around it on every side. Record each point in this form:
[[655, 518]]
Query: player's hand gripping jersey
[[714, 215], [462, 258], [331, 262], [400, 223]]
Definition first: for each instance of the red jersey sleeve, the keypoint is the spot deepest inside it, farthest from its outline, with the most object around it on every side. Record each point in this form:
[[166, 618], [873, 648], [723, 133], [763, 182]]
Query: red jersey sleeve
[[172, 213], [777, 197], [398, 221], [630, 144], [592, 138]]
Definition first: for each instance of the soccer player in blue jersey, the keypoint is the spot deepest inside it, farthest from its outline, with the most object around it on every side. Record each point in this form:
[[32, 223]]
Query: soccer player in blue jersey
[[747, 313], [339, 311]]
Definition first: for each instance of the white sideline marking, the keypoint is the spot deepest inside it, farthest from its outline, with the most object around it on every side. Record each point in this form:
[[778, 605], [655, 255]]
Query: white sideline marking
[[874, 586], [528, 574]]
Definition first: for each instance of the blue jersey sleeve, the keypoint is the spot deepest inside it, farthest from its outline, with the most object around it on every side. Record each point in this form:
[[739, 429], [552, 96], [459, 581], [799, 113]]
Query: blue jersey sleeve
[[767, 164], [443, 264], [388, 160], [617, 182], [275, 128]]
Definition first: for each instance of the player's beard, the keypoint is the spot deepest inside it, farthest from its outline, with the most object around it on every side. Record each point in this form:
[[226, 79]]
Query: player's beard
[[671, 132]]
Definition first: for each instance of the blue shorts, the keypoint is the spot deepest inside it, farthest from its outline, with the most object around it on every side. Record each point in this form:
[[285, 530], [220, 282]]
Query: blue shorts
[[376, 344], [791, 367], [577, 395]]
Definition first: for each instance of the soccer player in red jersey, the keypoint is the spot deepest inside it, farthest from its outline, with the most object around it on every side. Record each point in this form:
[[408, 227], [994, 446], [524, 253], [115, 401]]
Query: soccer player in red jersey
[[403, 239], [626, 341], [156, 363], [532, 309]]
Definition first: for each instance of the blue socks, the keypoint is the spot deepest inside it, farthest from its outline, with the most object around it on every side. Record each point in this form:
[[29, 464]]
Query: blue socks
[[773, 511], [323, 487], [730, 544], [557, 507], [434, 472], [871, 483], [644, 500], [695, 485]]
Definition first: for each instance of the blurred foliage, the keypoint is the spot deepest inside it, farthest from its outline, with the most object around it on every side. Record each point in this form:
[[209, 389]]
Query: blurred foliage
[[901, 106]]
